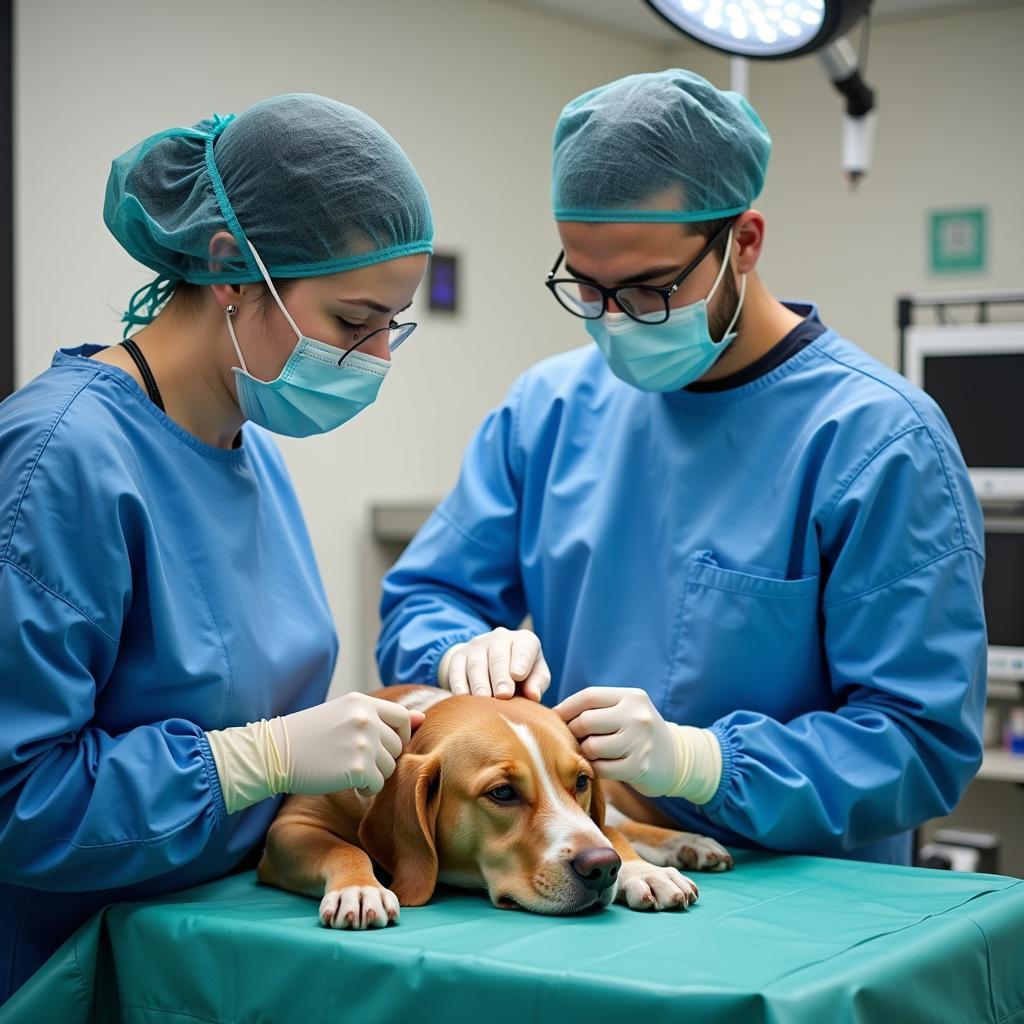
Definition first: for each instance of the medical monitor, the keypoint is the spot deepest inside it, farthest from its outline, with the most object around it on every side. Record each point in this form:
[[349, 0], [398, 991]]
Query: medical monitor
[[1003, 589], [975, 372]]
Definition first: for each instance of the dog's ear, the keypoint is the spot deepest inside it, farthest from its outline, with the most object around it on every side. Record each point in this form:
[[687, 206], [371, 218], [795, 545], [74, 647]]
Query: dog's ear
[[597, 803], [398, 829]]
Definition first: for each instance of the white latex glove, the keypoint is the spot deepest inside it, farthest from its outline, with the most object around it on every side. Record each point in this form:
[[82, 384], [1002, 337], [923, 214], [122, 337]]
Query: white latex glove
[[351, 742], [500, 663], [621, 732]]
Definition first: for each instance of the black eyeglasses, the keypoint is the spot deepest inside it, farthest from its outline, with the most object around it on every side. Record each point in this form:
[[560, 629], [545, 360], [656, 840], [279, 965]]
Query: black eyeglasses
[[397, 333], [645, 303]]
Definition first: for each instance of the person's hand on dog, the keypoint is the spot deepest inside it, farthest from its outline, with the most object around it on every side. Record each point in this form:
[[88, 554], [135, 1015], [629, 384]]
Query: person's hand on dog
[[502, 663], [351, 742], [625, 738]]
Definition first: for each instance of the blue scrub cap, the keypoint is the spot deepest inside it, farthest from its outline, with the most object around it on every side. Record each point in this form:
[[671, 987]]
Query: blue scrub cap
[[658, 147], [317, 187]]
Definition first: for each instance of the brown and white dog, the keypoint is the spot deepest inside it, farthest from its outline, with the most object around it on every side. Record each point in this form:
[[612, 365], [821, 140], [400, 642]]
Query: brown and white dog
[[489, 794]]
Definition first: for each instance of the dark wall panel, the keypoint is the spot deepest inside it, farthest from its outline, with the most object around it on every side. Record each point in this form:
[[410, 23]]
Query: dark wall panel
[[6, 198]]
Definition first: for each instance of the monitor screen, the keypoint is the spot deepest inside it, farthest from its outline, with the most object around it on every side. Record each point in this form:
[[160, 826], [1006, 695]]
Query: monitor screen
[[981, 397], [1004, 588]]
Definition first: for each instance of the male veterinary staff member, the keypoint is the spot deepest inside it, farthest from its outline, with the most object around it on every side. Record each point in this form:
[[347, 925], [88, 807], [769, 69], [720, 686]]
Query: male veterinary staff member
[[157, 585], [751, 553]]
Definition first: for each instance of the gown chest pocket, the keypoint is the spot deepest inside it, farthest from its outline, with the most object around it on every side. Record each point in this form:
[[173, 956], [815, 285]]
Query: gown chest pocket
[[745, 642]]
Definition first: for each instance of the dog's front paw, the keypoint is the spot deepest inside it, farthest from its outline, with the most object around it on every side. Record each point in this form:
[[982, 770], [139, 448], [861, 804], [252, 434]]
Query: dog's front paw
[[687, 850], [359, 907], [644, 886]]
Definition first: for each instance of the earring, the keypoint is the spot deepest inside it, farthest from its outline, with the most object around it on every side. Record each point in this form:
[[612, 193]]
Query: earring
[[231, 310]]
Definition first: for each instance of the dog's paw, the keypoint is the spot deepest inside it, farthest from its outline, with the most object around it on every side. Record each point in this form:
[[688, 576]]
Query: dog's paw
[[645, 886], [359, 907], [686, 850]]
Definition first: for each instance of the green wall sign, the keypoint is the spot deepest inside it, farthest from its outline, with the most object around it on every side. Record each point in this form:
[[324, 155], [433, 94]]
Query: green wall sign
[[957, 240]]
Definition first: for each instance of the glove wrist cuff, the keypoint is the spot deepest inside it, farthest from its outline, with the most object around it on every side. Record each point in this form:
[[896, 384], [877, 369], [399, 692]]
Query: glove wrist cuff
[[253, 762], [446, 660], [698, 763]]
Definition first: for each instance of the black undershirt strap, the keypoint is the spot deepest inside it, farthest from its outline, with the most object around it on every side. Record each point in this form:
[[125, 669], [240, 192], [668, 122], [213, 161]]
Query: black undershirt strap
[[147, 374]]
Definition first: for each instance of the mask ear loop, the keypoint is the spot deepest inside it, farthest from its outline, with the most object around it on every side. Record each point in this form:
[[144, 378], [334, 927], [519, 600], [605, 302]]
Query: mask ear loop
[[273, 290], [718, 280], [721, 272], [739, 306], [231, 310]]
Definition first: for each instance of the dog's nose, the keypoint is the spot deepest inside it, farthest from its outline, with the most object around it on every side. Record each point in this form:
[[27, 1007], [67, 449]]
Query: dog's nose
[[597, 867]]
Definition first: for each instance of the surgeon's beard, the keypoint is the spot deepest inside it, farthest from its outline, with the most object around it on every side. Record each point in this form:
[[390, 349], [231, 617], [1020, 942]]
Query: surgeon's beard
[[725, 306]]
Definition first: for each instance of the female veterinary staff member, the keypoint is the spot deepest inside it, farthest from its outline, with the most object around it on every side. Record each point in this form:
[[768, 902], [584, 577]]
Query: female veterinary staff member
[[157, 585]]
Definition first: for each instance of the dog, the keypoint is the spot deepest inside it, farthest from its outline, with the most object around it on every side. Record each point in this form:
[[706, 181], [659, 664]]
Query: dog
[[489, 794]]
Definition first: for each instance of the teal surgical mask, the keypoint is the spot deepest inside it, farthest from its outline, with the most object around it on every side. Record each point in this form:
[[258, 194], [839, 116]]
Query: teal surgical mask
[[669, 355], [315, 391]]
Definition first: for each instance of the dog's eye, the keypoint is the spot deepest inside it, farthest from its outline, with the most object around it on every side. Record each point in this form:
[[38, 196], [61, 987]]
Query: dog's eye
[[582, 781], [503, 794]]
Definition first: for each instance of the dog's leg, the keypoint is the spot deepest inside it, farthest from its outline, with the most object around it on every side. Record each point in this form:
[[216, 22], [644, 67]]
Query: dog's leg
[[676, 849], [650, 831], [304, 856], [670, 848], [645, 886]]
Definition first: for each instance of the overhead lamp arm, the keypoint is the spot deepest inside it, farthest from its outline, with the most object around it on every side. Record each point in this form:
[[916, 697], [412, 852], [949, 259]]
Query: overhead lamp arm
[[840, 62]]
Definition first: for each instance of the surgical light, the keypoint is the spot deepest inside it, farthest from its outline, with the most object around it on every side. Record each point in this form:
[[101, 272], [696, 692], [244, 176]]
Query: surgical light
[[762, 29]]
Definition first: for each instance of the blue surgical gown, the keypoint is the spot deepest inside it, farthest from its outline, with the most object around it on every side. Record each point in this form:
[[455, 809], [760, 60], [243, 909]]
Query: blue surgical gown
[[794, 563], [151, 587]]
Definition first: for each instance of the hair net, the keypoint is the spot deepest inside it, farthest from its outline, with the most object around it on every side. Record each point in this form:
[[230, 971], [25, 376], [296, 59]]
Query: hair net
[[671, 135], [316, 186]]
